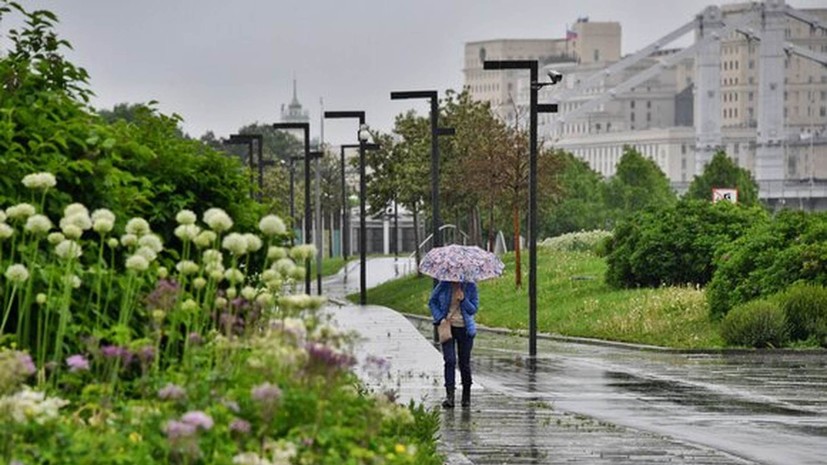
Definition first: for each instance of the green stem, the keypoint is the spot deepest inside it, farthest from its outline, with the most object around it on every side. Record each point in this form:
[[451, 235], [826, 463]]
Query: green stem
[[8, 309]]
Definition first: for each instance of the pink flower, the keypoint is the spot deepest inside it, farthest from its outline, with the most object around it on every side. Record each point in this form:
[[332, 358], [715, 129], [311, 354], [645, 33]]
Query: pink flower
[[178, 429], [77, 363], [266, 393], [240, 426], [172, 392], [198, 419], [26, 363]]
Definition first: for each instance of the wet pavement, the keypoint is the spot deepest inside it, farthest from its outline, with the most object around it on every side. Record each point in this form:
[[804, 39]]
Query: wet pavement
[[586, 403]]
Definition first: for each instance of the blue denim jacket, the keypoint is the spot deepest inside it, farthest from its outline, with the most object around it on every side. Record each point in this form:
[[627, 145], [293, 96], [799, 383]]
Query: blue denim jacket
[[440, 302]]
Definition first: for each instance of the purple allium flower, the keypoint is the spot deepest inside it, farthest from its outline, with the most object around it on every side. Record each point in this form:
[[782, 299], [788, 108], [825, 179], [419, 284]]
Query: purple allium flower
[[77, 363], [198, 418], [240, 426], [164, 296], [172, 392], [146, 354], [112, 351], [178, 429], [327, 356], [266, 393], [26, 363], [231, 405], [195, 338]]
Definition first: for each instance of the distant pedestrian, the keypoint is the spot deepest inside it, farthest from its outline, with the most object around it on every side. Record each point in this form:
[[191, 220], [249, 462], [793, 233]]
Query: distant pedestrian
[[457, 303]]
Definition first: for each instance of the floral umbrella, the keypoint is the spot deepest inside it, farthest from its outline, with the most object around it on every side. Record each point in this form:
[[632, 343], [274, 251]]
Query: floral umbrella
[[461, 263]]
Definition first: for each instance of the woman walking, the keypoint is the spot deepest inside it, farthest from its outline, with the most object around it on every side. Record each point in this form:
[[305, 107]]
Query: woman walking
[[456, 302]]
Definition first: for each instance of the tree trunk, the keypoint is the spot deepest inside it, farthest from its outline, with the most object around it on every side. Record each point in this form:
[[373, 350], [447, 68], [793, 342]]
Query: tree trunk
[[492, 231], [518, 276], [416, 237]]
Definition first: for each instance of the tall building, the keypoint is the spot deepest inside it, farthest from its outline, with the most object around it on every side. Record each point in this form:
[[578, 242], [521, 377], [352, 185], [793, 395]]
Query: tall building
[[294, 113], [659, 112]]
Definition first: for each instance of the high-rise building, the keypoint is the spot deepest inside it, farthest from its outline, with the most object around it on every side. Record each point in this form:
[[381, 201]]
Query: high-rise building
[[294, 113]]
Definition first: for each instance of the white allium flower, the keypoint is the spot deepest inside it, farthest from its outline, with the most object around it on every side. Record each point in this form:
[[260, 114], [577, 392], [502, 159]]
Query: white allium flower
[[218, 220], [71, 231], [20, 211], [17, 273], [298, 273], [2, 216], [189, 305], [250, 458], [129, 240], [137, 226], [73, 281], [269, 274], [276, 253], [272, 225], [41, 180], [75, 209], [187, 232], [205, 239], [112, 243], [27, 405], [213, 256], [55, 238], [220, 302], [153, 241], [235, 243], [68, 249], [147, 252], [137, 262], [186, 267], [79, 219], [186, 217], [40, 298], [199, 283], [103, 225], [303, 252], [253, 242], [163, 272], [6, 231], [216, 275], [284, 266], [265, 299], [103, 214], [38, 224], [234, 275], [248, 292], [232, 293]]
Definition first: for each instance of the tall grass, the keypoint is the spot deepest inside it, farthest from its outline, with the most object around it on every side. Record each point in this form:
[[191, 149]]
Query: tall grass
[[573, 299]]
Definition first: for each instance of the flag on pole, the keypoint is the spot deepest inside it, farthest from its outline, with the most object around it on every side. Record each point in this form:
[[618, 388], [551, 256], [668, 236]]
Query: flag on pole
[[570, 35]]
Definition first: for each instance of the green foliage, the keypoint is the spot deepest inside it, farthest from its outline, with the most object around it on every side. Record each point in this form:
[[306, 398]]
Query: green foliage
[[722, 172], [806, 309], [758, 323], [580, 205], [638, 184], [675, 244], [768, 258]]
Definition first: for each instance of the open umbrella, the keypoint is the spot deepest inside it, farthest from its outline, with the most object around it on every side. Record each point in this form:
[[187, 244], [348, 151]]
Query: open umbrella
[[461, 263]]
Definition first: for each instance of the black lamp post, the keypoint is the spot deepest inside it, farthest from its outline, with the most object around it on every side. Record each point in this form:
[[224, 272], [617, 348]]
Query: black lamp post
[[534, 108], [363, 136], [307, 213], [435, 131], [249, 139], [316, 154]]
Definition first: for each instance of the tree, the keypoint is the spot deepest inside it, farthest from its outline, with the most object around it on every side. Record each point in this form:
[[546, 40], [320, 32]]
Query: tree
[[579, 205], [637, 185], [723, 172]]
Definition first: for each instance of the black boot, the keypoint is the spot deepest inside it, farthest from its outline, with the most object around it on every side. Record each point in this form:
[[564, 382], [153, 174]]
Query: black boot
[[449, 398], [466, 396]]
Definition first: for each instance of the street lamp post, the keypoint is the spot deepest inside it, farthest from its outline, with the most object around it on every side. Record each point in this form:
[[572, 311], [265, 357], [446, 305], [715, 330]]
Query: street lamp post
[[534, 108], [317, 155], [345, 205], [363, 136], [249, 140], [305, 127], [435, 131]]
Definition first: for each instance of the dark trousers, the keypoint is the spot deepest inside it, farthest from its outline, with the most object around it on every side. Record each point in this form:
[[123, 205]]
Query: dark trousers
[[461, 343]]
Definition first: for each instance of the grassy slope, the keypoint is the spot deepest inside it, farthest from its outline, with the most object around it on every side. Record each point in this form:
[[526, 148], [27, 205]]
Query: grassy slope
[[573, 300]]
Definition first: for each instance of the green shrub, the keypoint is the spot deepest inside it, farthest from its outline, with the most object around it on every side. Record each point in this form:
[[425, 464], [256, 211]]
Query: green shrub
[[759, 323], [675, 245], [806, 309], [768, 258]]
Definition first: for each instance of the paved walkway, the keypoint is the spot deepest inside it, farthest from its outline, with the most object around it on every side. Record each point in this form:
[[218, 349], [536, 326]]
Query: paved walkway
[[597, 405]]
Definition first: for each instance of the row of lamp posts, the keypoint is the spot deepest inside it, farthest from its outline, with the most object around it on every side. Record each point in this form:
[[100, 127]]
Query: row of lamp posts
[[436, 131]]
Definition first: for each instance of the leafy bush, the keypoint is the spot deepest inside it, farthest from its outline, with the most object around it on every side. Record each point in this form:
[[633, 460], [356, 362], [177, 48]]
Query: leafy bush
[[806, 309], [768, 258], [758, 323], [676, 244], [583, 241]]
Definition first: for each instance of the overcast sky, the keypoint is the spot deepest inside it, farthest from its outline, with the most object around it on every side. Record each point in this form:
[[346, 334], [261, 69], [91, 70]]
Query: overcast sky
[[222, 64]]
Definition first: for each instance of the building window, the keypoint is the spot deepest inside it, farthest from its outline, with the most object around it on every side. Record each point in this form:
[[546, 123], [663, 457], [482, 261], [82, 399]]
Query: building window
[[632, 104], [597, 55]]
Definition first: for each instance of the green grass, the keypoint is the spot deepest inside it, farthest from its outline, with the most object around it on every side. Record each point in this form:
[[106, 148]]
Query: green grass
[[574, 300], [330, 266]]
